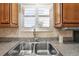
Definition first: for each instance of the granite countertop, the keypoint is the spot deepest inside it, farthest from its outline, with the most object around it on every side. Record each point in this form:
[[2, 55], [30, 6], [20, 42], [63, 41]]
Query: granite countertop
[[70, 49], [6, 46]]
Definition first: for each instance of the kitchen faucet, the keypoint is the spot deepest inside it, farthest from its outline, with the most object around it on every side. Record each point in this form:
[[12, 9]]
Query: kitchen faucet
[[34, 34]]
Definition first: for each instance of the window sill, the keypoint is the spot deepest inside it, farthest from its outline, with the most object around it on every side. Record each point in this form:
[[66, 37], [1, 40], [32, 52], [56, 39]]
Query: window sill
[[36, 31]]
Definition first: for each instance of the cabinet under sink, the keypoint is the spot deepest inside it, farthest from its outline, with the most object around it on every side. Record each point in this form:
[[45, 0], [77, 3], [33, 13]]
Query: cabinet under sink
[[33, 48]]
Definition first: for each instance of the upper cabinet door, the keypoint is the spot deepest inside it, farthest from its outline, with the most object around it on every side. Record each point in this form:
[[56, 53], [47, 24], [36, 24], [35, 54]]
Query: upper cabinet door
[[70, 13], [5, 14]]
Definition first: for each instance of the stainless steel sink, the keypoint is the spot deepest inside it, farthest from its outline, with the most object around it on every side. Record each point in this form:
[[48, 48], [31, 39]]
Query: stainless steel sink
[[33, 48]]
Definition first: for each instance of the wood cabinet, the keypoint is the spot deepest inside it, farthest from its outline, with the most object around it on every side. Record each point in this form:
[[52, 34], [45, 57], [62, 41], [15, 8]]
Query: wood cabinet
[[66, 15], [8, 15]]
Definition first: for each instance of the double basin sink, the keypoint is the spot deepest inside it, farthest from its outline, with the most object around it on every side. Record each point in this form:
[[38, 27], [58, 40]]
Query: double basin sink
[[33, 48]]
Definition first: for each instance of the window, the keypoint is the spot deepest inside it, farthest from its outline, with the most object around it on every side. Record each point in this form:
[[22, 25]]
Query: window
[[29, 21], [43, 11], [29, 11], [43, 21], [36, 16]]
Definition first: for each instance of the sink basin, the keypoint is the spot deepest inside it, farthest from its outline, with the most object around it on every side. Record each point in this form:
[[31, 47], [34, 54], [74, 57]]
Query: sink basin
[[23, 48], [45, 49], [33, 48]]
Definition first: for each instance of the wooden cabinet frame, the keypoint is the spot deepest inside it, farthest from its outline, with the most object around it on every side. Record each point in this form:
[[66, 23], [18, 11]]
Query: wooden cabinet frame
[[14, 15], [58, 14]]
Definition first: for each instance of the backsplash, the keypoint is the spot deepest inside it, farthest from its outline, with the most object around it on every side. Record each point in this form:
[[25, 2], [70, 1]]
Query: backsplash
[[14, 32]]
